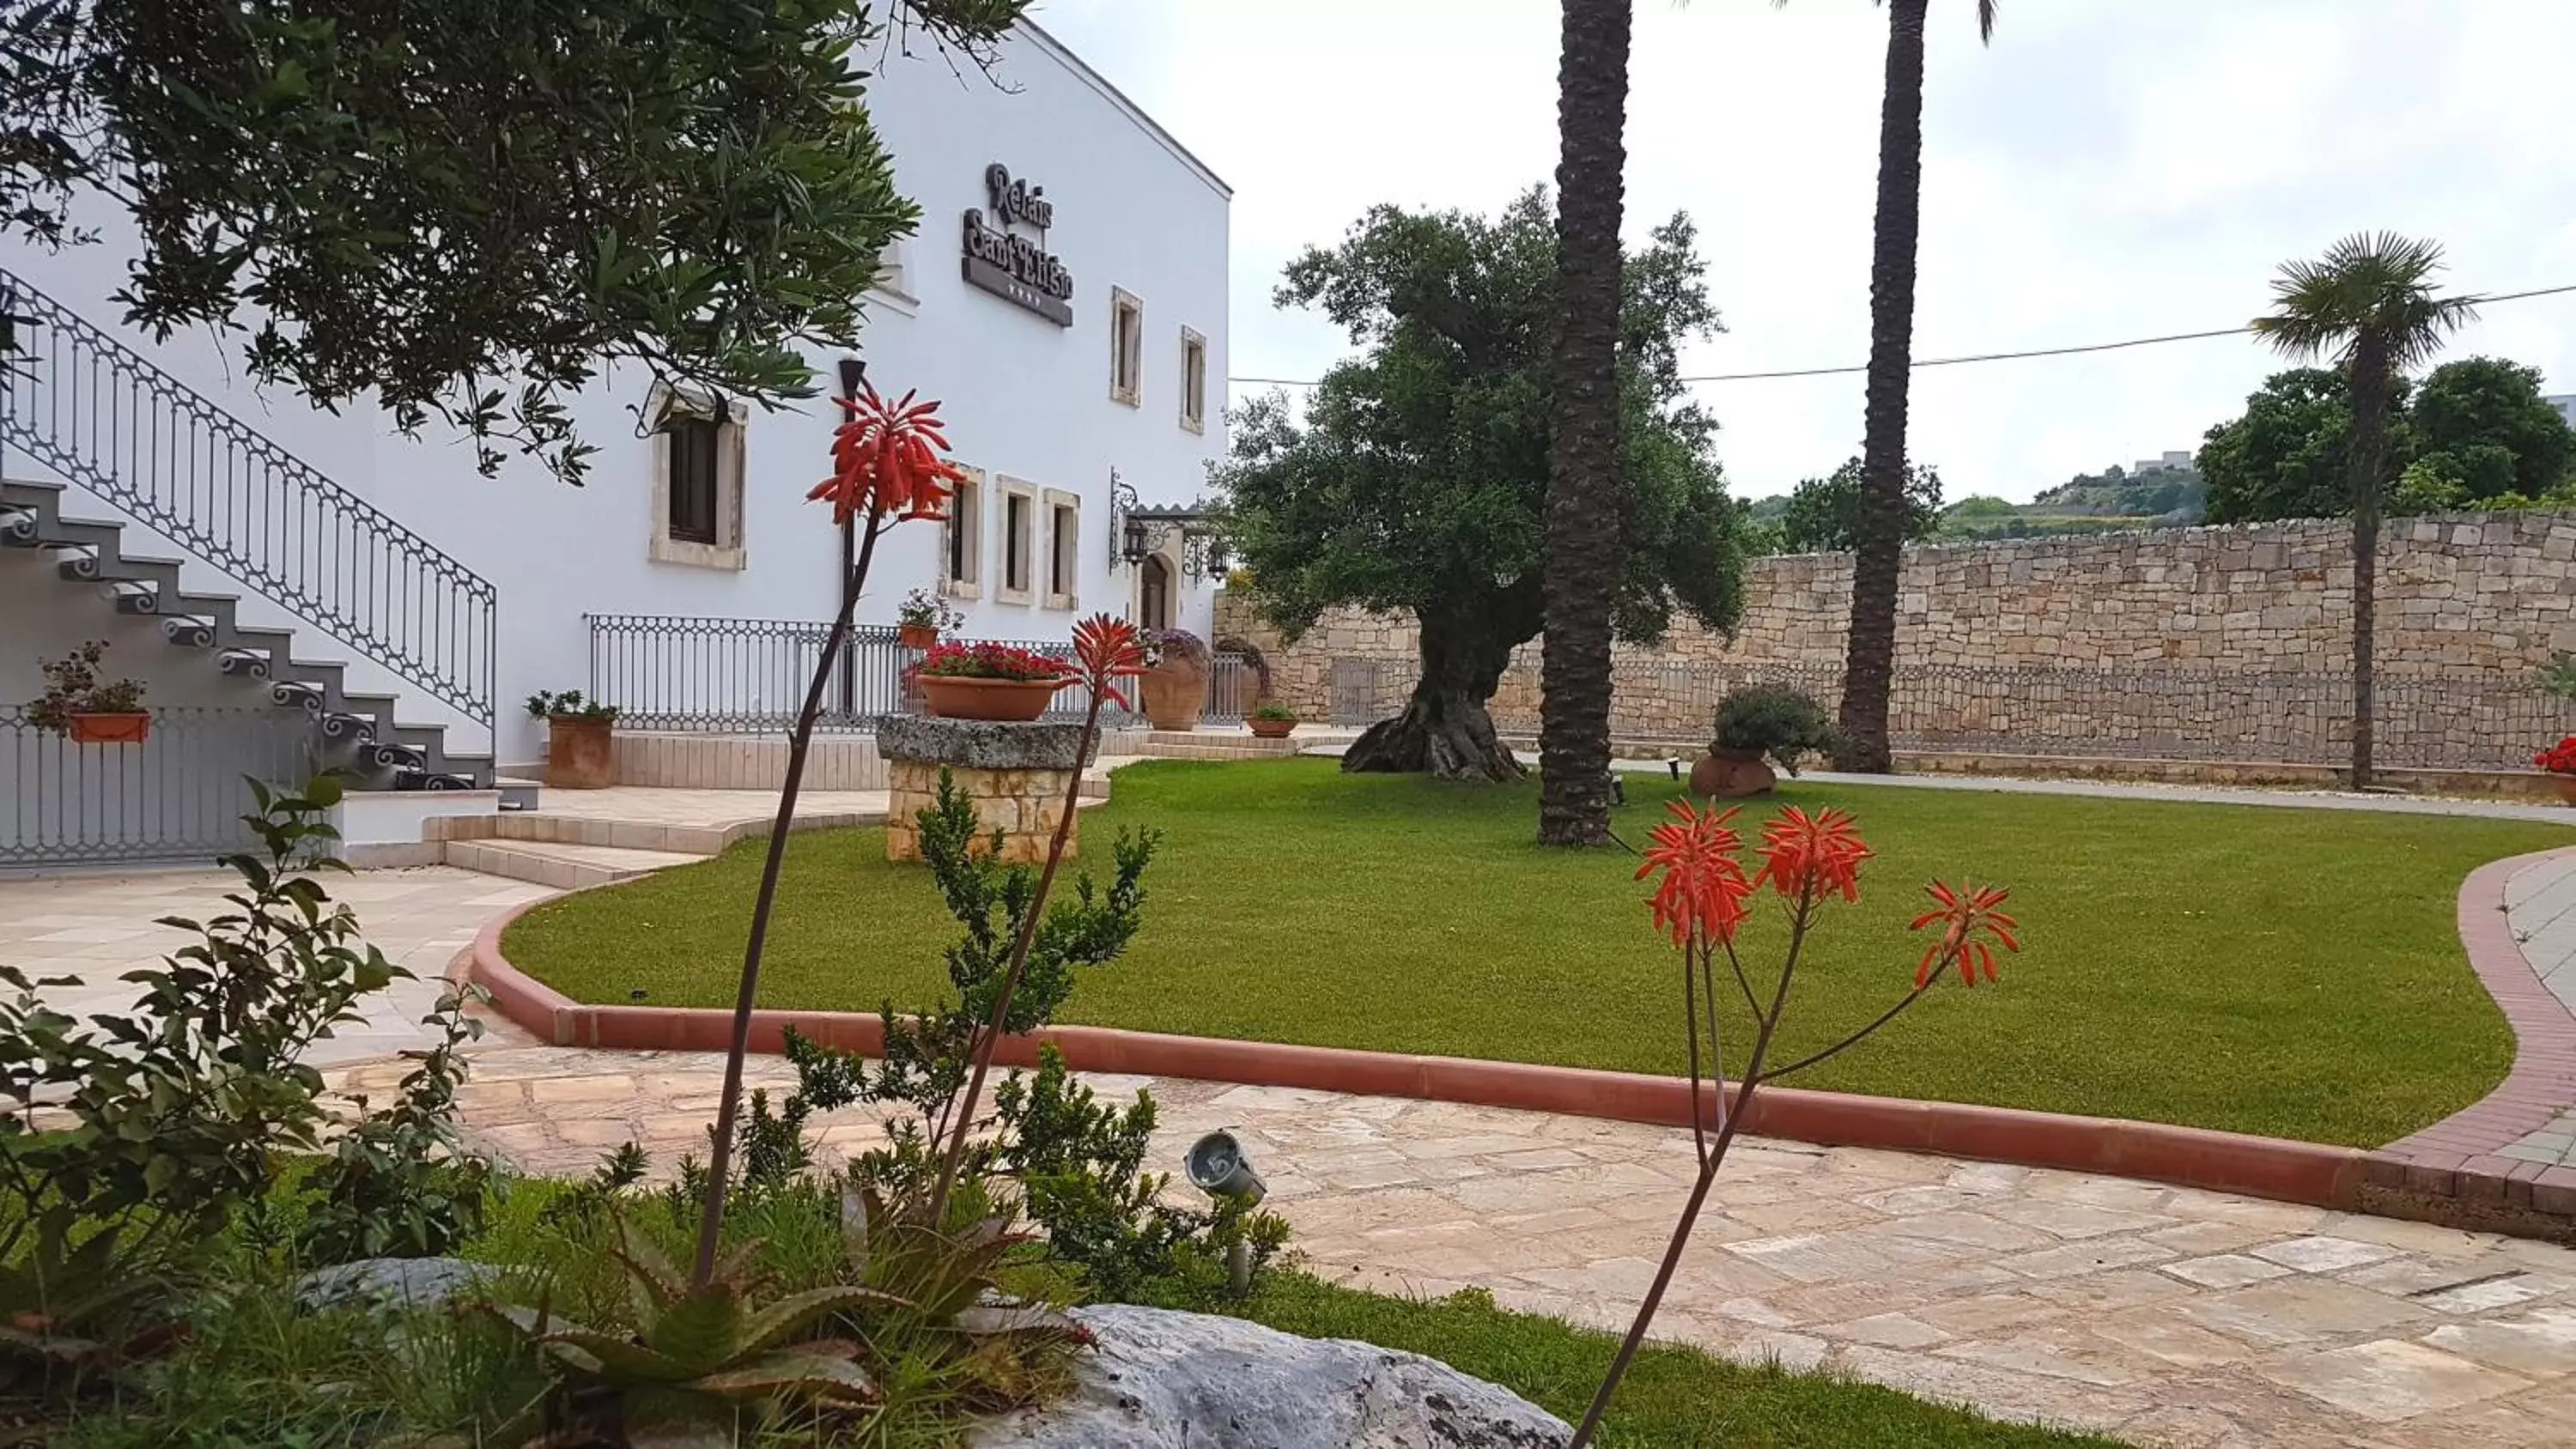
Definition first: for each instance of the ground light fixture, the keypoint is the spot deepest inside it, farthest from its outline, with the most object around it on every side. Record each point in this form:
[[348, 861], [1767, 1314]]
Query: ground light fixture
[[1218, 1166]]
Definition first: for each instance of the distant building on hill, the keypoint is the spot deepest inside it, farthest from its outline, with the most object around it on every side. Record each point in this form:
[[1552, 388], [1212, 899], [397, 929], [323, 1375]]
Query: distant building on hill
[[2565, 402], [2172, 460]]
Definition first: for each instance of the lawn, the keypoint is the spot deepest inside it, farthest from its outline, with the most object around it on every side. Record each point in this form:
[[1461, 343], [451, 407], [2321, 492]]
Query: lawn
[[2288, 972], [1673, 1397]]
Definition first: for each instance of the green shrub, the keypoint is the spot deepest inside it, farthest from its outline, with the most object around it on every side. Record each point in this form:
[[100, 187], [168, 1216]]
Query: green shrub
[[1274, 709], [1779, 721]]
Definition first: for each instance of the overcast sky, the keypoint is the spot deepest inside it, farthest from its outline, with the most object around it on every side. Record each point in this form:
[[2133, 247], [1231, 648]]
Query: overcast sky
[[2107, 169]]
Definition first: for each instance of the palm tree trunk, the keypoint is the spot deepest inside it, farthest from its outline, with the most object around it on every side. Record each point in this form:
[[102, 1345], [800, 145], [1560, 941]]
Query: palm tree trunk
[[1870, 657], [1582, 551], [2370, 386]]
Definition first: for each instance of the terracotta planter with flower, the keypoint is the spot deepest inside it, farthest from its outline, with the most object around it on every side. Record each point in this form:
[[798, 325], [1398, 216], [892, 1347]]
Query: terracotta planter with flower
[[922, 617], [580, 753], [988, 681], [88, 710]]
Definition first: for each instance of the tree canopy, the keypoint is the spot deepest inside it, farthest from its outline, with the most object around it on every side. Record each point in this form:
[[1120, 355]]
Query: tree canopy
[[2473, 433], [1416, 478], [1823, 515], [463, 208]]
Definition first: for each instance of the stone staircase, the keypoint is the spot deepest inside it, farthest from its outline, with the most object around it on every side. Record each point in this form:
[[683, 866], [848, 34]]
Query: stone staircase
[[357, 730]]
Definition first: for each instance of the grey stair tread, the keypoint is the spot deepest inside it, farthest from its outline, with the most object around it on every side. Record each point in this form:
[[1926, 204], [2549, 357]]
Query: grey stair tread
[[12, 484], [146, 560]]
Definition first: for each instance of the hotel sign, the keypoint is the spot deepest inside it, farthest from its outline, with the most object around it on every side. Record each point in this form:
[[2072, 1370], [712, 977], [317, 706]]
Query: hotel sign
[[1009, 265]]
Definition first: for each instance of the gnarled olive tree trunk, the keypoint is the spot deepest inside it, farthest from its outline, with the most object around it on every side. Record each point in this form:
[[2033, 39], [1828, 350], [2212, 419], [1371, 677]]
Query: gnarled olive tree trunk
[[1445, 730]]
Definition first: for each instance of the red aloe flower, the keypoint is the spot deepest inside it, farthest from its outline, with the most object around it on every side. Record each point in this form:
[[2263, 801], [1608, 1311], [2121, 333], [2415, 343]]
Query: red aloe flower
[[1967, 912], [1106, 650], [1817, 854], [891, 455], [1703, 888]]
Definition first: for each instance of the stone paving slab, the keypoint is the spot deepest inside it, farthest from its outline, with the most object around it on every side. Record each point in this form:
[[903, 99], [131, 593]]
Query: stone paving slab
[[2166, 1316], [95, 928]]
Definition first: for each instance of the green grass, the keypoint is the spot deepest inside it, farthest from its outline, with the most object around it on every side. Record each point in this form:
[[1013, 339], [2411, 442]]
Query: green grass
[[1672, 1398], [2289, 972]]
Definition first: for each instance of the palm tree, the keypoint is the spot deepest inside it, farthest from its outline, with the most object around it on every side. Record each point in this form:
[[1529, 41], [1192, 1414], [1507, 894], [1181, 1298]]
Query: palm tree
[[1582, 549], [2368, 304], [1870, 654]]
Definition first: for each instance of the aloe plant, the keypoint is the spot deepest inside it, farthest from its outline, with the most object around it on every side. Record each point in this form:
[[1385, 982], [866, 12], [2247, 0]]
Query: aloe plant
[[703, 1356]]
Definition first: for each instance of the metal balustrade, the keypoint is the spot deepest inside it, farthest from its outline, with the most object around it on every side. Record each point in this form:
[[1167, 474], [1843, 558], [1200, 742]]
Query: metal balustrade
[[106, 417], [714, 675], [179, 795]]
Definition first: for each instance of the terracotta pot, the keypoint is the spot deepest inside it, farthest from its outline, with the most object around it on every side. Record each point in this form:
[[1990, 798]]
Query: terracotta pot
[[2566, 788], [578, 756], [110, 729], [1173, 697], [956, 697], [1271, 729], [1732, 775], [916, 636]]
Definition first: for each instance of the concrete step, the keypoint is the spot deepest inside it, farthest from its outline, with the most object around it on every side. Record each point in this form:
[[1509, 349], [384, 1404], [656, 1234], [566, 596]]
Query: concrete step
[[561, 864]]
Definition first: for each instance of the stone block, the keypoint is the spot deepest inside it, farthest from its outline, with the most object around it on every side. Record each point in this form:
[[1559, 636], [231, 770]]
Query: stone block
[[981, 744]]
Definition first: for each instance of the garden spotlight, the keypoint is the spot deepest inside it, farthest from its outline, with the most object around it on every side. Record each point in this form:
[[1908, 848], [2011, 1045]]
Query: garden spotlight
[[1219, 1167]]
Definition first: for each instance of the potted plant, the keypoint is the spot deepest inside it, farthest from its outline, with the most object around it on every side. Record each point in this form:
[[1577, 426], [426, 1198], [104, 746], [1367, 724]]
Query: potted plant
[[76, 702], [1758, 721], [1175, 687], [2560, 761], [1271, 720], [922, 617], [988, 681], [578, 754]]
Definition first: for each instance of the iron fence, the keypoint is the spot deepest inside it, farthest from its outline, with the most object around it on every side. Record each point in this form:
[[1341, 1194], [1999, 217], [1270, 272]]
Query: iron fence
[[2422, 721], [711, 675], [179, 795]]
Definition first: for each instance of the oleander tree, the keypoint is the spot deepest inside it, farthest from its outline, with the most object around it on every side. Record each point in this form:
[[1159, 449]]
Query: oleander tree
[[1416, 479], [463, 210]]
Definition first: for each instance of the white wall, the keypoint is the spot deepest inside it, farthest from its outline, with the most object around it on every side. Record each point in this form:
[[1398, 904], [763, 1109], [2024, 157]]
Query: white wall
[[1021, 396]]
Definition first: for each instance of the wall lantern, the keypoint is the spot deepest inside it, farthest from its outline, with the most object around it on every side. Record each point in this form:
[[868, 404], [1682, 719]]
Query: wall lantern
[[1132, 544]]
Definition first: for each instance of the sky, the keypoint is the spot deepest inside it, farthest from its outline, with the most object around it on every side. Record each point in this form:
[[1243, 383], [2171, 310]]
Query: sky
[[2106, 169]]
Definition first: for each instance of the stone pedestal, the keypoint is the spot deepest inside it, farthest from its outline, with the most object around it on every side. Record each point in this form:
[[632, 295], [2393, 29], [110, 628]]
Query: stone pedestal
[[1017, 775]]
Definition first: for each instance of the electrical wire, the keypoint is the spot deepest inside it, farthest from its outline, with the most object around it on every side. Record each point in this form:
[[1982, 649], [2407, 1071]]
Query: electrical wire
[[1979, 356]]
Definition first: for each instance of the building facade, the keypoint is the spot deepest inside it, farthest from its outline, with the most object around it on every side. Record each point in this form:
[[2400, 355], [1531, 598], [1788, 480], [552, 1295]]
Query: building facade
[[1064, 299]]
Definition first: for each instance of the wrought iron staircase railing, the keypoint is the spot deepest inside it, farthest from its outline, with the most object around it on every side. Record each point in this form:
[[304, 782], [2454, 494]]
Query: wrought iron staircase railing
[[108, 418]]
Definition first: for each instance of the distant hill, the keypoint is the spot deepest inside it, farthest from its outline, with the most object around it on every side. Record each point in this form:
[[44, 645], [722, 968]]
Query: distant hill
[[2104, 502]]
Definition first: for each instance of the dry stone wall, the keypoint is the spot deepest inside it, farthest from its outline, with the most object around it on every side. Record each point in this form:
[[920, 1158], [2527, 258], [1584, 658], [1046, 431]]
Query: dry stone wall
[[2207, 642]]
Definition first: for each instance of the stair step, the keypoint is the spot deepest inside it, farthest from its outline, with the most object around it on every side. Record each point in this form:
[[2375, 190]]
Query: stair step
[[559, 864]]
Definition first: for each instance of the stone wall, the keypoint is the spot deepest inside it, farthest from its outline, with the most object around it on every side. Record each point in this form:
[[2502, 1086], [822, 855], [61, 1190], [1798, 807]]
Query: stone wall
[[2204, 642]]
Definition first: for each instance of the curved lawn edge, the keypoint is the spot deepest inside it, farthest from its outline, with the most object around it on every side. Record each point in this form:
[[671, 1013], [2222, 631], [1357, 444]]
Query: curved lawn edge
[[2458, 1156], [2446, 1173]]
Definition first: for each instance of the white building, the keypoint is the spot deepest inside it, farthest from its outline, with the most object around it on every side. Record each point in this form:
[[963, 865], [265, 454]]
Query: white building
[[2566, 404], [1089, 383]]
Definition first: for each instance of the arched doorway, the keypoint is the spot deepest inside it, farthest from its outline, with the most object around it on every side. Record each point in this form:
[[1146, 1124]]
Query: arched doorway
[[1154, 593]]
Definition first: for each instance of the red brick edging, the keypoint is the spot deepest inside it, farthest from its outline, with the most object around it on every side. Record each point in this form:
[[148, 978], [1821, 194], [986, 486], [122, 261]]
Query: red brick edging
[[2186, 1156], [2455, 1158]]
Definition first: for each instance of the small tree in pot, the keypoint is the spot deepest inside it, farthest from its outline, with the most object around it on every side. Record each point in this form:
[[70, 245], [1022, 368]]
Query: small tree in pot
[[578, 753], [1760, 720]]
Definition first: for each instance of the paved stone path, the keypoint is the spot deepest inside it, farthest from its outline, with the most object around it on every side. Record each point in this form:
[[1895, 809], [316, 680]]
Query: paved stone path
[[2166, 1316], [95, 928]]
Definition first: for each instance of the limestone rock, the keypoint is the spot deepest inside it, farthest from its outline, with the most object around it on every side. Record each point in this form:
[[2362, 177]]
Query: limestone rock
[[977, 744], [1163, 1380]]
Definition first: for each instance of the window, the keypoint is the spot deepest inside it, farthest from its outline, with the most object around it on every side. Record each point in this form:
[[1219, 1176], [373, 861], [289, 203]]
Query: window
[[962, 543], [893, 286], [1193, 381], [1019, 539], [697, 450], [1126, 346], [1064, 550], [693, 445]]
